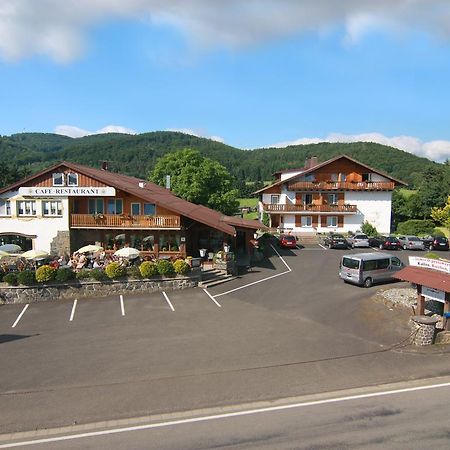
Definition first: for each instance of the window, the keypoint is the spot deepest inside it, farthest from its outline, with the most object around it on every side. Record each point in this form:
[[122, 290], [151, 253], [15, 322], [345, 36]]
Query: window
[[169, 242], [135, 209], [52, 208], [149, 209], [367, 177], [334, 177], [58, 179], [274, 199], [72, 179], [396, 262], [350, 263], [26, 208], [115, 206], [96, 206], [5, 208], [332, 221], [332, 199], [310, 177], [342, 177], [307, 199], [383, 263], [306, 221]]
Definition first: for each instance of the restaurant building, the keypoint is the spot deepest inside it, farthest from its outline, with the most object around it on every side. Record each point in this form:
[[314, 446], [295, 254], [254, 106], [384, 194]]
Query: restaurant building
[[69, 205]]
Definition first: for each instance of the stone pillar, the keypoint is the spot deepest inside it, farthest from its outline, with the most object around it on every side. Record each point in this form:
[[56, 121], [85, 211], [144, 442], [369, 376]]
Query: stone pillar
[[423, 329], [60, 244], [420, 301]]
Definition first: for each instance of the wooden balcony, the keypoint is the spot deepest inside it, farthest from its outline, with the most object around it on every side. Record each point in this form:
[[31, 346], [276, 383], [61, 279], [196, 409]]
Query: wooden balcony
[[114, 221], [341, 186], [291, 208]]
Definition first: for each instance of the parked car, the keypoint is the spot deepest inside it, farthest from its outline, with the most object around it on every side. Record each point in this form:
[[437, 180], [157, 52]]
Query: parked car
[[287, 241], [358, 240], [385, 242], [411, 243], [435, 242], [335, 241]]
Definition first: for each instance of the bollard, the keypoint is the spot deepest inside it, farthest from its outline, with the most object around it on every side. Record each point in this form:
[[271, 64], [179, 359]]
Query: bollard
[[423, 329]]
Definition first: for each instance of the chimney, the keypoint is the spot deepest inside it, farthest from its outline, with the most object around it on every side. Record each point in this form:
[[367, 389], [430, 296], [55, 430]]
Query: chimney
[[307, 162], [105, 165], [313, 161]]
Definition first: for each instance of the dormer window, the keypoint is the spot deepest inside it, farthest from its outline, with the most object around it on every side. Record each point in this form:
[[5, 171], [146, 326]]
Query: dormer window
[[72, 179], [367, 177], [58, 179]]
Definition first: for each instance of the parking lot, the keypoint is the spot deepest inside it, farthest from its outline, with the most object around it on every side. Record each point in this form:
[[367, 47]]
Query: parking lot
[[288, 327]]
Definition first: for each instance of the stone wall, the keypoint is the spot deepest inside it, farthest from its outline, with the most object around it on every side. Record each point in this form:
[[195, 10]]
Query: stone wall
[[61, 244], [27, 294]]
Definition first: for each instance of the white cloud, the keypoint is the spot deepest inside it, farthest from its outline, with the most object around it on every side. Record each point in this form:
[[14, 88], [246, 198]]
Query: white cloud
[[59, 29], [75, 132], [197, 134], [434, 150]]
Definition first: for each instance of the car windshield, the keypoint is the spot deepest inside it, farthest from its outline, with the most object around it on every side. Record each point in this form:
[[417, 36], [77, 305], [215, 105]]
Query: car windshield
[[289, 238], [350, 263], [361, 236], [413, 238]]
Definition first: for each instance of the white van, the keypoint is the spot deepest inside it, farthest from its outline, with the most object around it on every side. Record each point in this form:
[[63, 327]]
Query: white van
[[365, 269]]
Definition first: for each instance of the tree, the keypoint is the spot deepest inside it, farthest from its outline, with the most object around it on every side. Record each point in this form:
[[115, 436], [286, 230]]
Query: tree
[[442, 215], [197, 179]]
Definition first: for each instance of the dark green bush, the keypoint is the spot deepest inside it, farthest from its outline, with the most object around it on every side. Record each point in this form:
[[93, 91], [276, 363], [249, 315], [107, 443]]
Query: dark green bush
[[2, 274], [133, 272], [45, 274], [148, 269], [165, 267], [115, 270], [64, 275], [26, 277], [83, 274], [98, 274], [416, 227], [181, 266], [369, 229], [11, 278]]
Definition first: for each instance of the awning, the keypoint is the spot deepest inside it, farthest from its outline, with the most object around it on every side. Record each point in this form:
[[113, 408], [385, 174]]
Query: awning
[[425, 277]]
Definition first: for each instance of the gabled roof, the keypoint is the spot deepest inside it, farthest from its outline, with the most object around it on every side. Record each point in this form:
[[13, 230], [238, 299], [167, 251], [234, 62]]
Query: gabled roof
[[325, 163], [425, 277], [152, 193]]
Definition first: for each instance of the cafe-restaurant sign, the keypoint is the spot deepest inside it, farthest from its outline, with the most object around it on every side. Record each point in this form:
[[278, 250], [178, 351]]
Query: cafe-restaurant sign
[[67, 191], [427, 263]]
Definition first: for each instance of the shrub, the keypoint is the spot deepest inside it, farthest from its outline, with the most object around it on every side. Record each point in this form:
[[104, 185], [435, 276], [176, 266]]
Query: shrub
[[148, 269], [11, 279], [64, 274], [133, 272], [45, 274], [115, 270], [181, 267], [2, 274], [416, 227], [98, 274], [432, 255], [26, 277], [165, 267], [369, 229], [83, 274]]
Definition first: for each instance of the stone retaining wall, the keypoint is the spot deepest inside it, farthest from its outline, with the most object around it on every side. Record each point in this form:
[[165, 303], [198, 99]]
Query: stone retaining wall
[[27, 294]]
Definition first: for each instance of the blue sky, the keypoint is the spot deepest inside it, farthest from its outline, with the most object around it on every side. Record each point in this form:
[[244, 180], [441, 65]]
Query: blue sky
[[251, 74]]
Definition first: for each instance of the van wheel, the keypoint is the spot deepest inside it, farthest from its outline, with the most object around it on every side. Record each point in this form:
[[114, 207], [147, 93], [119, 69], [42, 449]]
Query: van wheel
[[405, 247], [368, 282], [353, 245], [381, 247]]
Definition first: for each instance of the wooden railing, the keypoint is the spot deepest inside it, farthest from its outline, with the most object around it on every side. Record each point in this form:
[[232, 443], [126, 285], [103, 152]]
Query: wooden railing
[[123, 221], [338, 185], [283, 208]]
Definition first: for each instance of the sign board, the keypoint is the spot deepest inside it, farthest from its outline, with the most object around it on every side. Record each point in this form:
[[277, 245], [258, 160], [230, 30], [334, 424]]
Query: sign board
[[66, 191], [433, 294], [427, 263]]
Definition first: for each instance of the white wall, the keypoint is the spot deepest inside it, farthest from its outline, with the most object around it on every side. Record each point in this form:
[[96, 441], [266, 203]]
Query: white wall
[[284, 176]]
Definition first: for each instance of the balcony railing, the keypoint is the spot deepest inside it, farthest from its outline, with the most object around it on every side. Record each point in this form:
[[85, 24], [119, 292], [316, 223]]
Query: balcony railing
[[284, 208], [123, 221], [344, 185]]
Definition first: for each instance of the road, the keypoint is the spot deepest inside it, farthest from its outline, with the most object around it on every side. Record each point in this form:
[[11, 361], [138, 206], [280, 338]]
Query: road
[[401, 417], [299, 333]]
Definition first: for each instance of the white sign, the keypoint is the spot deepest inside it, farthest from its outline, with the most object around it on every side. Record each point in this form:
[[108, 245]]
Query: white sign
[[427, 263], [434, 294], [66, 191]]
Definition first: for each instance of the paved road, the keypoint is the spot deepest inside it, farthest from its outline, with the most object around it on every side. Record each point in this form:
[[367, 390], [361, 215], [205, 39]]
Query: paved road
[[299, 333], [396, 418]]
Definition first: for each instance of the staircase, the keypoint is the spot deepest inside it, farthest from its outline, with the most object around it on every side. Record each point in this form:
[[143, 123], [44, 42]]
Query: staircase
[[214, 277], [308, 239]]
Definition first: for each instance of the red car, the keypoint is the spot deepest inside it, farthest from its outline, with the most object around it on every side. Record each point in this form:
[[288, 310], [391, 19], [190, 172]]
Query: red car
[[287, 241]]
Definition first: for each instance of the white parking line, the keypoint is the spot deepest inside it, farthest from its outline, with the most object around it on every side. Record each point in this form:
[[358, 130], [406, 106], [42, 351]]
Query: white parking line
[[168, 301], [72, 314], [212, 298], [323, 246], [284, 262], [20, 315], [122, 307]]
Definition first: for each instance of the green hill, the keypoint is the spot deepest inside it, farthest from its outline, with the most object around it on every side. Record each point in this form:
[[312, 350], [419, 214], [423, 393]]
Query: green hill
[[137, 154]]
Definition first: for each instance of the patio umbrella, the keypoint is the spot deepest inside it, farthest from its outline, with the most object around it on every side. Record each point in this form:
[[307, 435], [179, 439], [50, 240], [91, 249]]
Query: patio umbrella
[[90, 249], [128, 252], [34, 254], [10, 248], [2, 253]]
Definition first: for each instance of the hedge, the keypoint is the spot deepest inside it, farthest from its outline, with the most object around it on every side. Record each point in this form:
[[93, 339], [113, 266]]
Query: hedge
[[26, 277], [115, 270], [45, 274], [181, 266], [164, 267]]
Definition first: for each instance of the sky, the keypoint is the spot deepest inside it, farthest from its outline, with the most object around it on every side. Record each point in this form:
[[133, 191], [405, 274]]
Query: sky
[[250, 73]]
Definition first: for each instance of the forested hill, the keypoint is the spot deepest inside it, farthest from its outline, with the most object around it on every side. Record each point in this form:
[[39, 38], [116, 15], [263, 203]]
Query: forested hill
[[137, 154]]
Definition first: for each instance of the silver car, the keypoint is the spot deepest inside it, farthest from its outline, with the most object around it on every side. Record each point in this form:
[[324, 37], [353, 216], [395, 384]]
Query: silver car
[[358, 240], [411, 243]]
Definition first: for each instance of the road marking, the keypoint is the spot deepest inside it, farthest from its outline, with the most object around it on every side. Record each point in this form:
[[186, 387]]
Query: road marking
[[212, 298], [20, 315], [168, 301], [248, 412], [320, 245], [122, 307], [72, 314], [259, 281]]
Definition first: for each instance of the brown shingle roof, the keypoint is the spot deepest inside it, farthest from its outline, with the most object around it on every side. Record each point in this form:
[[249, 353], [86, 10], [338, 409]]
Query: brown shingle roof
[[425, 277]]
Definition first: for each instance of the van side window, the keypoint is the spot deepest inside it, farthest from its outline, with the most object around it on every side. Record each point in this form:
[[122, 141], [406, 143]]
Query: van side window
[[383, 263], [396, 262], [369, 265]]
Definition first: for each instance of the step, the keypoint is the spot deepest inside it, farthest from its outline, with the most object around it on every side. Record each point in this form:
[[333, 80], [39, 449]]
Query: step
[[217, 281]]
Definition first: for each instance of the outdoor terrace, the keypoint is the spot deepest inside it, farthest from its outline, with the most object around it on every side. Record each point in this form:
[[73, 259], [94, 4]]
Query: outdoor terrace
[[284, 208], [124, 221], [341, 185]]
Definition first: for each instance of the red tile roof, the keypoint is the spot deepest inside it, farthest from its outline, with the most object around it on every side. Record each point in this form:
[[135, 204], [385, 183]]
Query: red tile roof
[[425, 277]]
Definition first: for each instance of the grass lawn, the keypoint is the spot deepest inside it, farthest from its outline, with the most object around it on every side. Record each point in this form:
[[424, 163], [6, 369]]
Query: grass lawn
[[446, 231], [407, 192], [250, 202]]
